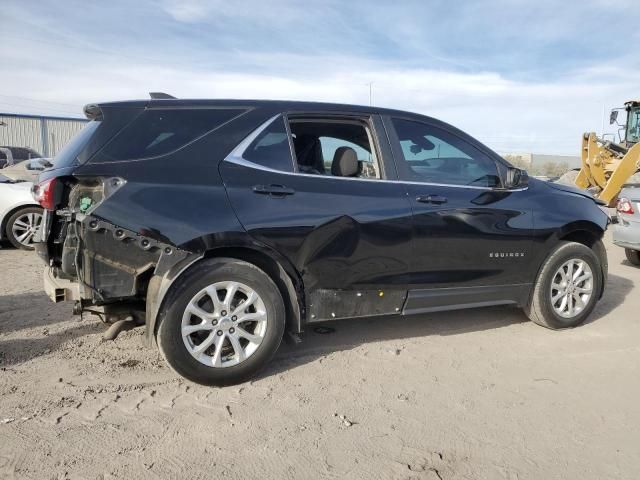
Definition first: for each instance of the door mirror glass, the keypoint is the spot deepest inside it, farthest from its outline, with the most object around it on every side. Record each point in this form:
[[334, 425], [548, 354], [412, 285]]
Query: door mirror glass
[[516, 178]]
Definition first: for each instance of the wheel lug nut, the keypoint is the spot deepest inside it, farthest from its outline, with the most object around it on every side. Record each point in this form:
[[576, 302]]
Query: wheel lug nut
[[219, 332], [215, 322], [234, 318], [231, 330], [224, 312]]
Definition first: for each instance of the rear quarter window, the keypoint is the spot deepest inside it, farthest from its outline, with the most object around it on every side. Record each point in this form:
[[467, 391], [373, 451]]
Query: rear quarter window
[[67, 157], [159, 132], [271, 148]]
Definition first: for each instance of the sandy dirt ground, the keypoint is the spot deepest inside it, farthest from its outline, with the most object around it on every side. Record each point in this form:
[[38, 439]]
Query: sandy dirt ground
[[460, 395]]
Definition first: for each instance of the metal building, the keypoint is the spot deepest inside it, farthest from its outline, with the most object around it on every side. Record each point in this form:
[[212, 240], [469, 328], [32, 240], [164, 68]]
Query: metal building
[[46, 135]]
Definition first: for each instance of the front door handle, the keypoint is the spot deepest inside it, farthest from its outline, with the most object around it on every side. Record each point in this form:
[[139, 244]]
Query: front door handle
[[436, 199], [273, 190]]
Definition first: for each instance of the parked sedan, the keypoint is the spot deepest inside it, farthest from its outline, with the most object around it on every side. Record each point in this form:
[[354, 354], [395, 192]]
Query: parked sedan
[[27, 170], [20, 215], [626, 233], [13, 155]]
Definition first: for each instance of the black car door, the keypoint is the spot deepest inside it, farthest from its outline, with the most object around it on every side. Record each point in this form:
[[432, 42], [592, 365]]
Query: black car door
[[472, 238], [347, 232]]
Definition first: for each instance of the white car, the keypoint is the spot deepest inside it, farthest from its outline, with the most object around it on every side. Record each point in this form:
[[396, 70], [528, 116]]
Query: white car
[[626, 233], [20, 215]]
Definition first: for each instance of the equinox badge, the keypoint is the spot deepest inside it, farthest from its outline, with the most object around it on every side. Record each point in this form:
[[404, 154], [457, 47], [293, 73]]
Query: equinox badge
[[506, 254]]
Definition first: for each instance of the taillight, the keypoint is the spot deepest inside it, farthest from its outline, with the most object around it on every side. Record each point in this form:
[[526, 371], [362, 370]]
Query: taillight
[[44, 194], [624, 206]]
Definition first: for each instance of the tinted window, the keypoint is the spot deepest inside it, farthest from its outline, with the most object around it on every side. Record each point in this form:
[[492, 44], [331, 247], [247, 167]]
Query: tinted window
[[67, 156], [433, 155], [158, 132], [271, 148]]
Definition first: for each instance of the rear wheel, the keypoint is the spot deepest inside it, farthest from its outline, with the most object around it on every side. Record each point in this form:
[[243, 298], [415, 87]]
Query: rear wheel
[[222, 323], [22, 227], [567, 288], [633, 256]]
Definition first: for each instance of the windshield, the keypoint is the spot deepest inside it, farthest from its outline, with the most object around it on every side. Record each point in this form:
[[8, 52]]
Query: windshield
[[633, 125]]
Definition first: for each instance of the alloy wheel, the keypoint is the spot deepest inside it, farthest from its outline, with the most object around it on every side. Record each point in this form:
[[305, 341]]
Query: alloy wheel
[[571, 288], [224, 324], [25, 227]]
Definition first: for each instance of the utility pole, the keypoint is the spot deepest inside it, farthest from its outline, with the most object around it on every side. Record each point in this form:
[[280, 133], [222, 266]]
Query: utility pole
[[370, 93]]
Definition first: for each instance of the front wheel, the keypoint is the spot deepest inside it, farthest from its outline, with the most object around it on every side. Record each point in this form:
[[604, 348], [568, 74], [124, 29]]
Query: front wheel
[[222, 322], [567, 288], [633, 256]]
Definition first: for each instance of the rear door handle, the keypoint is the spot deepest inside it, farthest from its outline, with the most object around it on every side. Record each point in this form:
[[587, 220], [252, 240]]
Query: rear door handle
[[436, 199], [273, 190]]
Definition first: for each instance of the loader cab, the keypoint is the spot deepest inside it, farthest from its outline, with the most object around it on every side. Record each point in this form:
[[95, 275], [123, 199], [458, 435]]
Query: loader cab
[[632, 128], [629, 133]]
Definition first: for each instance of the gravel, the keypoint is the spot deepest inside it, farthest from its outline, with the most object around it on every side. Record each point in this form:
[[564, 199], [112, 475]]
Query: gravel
[[457, 395]]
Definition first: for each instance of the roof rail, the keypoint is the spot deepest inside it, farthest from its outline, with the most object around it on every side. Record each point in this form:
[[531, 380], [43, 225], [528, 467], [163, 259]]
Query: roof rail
[[160, 96]]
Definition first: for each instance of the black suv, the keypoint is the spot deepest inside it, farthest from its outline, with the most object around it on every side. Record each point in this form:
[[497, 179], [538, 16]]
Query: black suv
[[225, 224]]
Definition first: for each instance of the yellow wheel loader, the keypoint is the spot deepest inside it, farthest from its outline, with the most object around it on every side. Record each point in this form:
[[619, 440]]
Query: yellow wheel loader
[[606, 165]]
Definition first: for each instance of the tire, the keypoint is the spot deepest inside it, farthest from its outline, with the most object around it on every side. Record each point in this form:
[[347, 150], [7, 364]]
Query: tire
[[633, 256], [23, 221], [540, 308], [220, 276]]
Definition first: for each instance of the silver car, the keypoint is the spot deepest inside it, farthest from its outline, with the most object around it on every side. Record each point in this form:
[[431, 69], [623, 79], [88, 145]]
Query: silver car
[[626, 233]]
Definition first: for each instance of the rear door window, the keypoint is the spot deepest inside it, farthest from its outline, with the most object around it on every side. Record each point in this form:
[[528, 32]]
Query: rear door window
[[320, 146], [158, 132]]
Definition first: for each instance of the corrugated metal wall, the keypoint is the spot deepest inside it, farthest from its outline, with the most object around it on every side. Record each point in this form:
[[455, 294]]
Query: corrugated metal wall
[[59, 132], [46, 135], [21, 132]]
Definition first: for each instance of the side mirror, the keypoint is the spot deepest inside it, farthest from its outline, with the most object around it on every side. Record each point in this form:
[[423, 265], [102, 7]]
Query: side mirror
[[613, 117], [516, 178]]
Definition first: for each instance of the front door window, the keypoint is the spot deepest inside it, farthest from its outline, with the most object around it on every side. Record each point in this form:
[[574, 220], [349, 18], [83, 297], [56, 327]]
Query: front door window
[[433, 155]]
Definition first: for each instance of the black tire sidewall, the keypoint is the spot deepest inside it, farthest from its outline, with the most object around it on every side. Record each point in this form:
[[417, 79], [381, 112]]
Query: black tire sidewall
[[9, 226], [567, 252], [633, 256], [206, 273]]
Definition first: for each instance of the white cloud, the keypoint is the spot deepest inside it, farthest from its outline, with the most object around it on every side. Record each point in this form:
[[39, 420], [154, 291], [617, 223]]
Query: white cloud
[[507, 115], [509, 111]]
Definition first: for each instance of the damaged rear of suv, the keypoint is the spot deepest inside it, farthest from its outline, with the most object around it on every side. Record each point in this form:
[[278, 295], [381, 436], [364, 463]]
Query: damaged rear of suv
[[221, 225], [133, 201]]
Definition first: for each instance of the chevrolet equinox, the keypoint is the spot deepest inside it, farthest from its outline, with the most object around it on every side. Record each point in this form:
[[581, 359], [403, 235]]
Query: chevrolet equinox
[[224, 225]]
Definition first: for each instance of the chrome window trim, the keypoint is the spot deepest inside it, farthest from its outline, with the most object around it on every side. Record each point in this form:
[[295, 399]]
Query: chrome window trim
[[236, 157]]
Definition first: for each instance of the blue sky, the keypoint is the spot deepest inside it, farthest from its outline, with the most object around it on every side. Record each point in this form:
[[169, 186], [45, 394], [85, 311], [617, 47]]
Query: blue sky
[[520, 76]]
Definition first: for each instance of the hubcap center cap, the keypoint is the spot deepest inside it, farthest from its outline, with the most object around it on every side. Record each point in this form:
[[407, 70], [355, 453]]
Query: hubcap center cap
[[225, 324]]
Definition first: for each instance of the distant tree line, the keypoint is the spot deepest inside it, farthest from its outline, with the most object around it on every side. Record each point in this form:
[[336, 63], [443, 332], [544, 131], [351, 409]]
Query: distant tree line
[[548, 169]]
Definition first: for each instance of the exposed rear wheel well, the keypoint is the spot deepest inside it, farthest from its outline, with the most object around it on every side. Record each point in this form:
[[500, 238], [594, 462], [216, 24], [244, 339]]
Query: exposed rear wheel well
[[290, 288]]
